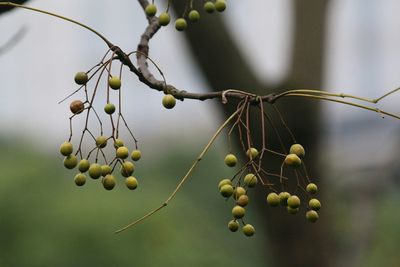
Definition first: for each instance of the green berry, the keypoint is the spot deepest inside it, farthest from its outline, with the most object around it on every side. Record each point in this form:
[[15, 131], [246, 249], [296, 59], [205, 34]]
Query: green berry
[[312, 188], [169, 101], [226, 190], [80, 179], [109, 108], [164, 19], [81, 78], [230, 160], [95, 170], [150, 10], [180, 24], [243, 200], [250, 180], [136, 155], [122, 152], [239, 191], [109, 182], [127, 168], [293, 201], [105, 169], [131, 182], [248, 230], [76, 107], [283, 197], [101, 141], [66, 149], [220, 5], [114, 82], [83, 165], [233, 225], [252, 153], [314, 204], [118, 143], [209, 7], [273, 199], [238, 212], [293, 160], [70, 161], [298, 150], [312, 215], [224, 182], [291, 210], [194, 15]]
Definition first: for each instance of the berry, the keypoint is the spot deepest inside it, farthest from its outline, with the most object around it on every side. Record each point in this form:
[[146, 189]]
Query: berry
[[250, 180], [118, 143], [293, 201], [312, 215], [194, 15], [83, 165], [80, 179], [252, 153], [164, 19], [248, 230], [233, 226], [114, 82], [70, 161], [76, 106], [109, 108], [136, 155], [131, 182], [243, 200], [220, 5], [109, 182], [224, 182], [291, 210], [81, 78], [66, 149], [226, 190], [273, 199], [101, 141], [95, 170], [169, 101], [293, 160], [314, 204], [239, 191], [127, 168], [312, 188], [238, 212], [180, 24], [298, 150], [150, 10], [105, 169], [230, 160], [283, 197], [209, 7], [122, 152]]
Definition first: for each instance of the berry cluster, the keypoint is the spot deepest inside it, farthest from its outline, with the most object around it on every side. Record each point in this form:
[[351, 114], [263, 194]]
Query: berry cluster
[[190, 13], [293, 176]]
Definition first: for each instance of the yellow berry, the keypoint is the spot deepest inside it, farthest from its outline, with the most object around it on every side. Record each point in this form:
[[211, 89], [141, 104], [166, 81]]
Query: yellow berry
[[239, 191], [243, 200], [298, 150], [127, 168], [252, 153], [273, 199], [81, 78], [169, 101], [136, 155], [164, 19], [233, 225], [250, 180], [238, 212], [230, 160], [122, 152], [194, 15], [312, 215], [312, 188], [293, 201], [248, 230], [83, 165], [283, 197], [109, 182], [180, 24], [66, 149], [115, 83], [70, 161], [101, 141], [150, 10], [293, 160], [80, 179], [131, 182], [314, 204], [209, 7], [220, 5], [95, 170]]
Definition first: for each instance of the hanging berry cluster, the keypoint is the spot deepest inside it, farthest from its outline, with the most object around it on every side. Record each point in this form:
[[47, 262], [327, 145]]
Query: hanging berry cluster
[[251, 173], [190, 13]]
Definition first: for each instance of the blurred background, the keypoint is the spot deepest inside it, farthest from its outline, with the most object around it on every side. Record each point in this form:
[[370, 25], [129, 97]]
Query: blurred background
[[346, 46]]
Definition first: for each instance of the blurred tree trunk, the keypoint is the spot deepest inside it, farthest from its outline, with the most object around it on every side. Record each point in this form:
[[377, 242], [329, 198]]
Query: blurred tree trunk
[[293, 241]]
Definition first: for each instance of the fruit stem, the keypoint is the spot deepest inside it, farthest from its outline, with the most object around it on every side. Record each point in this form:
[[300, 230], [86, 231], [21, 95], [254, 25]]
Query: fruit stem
[[60, 17], [344, 102], [185, 177]]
